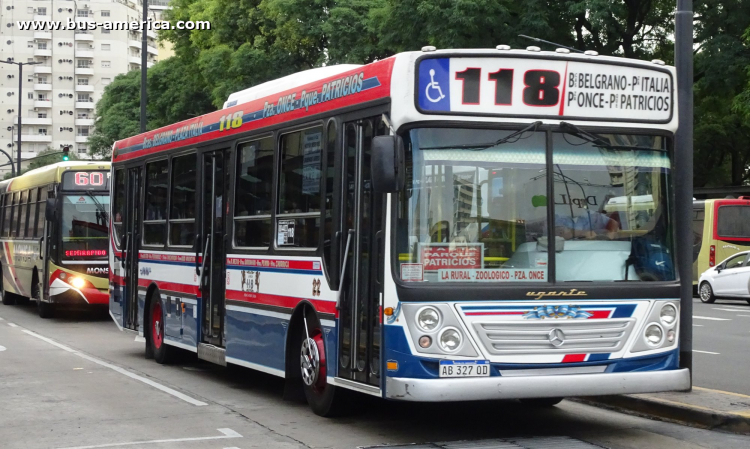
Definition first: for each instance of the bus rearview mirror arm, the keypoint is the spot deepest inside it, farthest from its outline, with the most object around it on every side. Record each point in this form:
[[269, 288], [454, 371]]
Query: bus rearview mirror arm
[[387, 164]]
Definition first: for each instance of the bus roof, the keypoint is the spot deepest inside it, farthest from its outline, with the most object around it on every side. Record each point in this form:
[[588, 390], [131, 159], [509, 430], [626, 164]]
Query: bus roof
[[48, 174], [321, 90]]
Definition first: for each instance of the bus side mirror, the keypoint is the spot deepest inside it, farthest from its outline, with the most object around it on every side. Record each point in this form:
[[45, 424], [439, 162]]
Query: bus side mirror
[[387, 164], [50, 211]]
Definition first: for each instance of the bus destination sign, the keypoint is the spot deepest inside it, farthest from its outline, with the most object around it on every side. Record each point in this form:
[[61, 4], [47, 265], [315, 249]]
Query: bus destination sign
[[85, 180], [544, 87]]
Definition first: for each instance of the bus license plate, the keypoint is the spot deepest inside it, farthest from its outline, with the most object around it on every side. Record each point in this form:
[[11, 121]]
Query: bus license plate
[[468, 368]]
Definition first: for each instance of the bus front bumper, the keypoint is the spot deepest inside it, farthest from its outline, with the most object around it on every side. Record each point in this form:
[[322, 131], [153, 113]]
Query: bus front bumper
[[498, 387]]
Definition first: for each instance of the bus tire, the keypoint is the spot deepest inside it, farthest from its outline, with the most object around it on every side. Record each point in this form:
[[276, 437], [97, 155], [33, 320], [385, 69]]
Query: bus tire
[[707, 293], [324, 399], [163, 353], [44, 309], [541, 402]]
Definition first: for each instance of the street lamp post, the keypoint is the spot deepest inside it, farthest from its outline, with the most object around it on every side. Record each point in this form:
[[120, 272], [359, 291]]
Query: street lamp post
[[144, 65], [683, 50], [20, 98]]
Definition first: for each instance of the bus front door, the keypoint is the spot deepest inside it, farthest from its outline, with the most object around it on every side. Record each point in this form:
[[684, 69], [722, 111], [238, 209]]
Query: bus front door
[[213, 242], [132, 223], [364, 219]]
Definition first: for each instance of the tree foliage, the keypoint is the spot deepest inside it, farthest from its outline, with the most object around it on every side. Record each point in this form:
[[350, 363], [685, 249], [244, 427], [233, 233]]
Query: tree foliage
[[253, 41]]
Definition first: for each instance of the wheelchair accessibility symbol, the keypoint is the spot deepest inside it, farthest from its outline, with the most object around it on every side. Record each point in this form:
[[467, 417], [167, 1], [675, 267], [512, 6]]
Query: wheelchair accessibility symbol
[[433, 91]]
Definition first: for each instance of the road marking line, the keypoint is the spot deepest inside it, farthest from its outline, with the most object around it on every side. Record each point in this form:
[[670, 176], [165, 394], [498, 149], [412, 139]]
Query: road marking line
[[1, 319], [123, 371], [711, 318], [745, 315], [731, 310], [139, 339], [12, 324], [697, 325], [226, 434], [2, 348], [706, 352]]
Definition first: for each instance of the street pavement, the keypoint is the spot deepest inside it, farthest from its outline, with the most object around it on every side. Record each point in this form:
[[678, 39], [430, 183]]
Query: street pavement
[[77, 382], [721, 345]]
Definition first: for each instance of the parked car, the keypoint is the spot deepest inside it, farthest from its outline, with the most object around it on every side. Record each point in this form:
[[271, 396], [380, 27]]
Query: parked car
[[730, 279]]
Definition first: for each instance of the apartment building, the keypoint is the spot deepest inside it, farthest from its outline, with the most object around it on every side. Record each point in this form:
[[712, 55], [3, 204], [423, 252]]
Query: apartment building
[[60, 93]]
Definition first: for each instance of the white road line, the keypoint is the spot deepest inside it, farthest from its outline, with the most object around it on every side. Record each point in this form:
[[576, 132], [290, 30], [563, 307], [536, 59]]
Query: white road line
[[139, 339], [1, 318], [748, 316], [2, 348], [123, 371], [12, 324], [697, 325], [226, 434], [730, 310], [706, 352], [711, 318]]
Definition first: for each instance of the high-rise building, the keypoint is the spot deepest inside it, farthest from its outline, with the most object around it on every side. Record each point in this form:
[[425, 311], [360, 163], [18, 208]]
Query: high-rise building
[[60, 93]]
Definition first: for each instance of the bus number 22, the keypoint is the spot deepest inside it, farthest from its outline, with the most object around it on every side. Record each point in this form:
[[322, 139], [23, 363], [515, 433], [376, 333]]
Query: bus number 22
[[230, 121], [541, 86]]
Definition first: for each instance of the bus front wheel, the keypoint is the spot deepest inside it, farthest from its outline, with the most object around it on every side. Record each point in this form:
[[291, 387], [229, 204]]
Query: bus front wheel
[[324, 399], [44, 309], [163, 353], [707, 293]]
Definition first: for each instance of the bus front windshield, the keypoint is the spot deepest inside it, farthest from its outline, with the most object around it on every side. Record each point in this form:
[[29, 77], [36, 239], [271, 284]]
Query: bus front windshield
[[475, 207], [85, 225]]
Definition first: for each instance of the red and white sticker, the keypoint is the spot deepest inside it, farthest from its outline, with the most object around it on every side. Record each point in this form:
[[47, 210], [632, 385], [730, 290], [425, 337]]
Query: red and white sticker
[[437, 257]]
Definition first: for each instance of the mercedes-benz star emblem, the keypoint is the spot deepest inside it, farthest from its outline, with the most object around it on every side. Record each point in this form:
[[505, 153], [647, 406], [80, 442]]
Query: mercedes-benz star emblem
[[556, 337]]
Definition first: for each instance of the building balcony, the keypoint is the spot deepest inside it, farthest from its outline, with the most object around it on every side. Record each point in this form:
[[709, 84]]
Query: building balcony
[[33, 121], [134, 60], [43, 69], [84, 105], [84, 71], [84, 88], [42, 104], [134, 43], [42, 35], [43, 87], [150, 64], [38, 52], [82, 139], [152, 50], [84, 54], [36, 138], [85, 37], [84, 122]]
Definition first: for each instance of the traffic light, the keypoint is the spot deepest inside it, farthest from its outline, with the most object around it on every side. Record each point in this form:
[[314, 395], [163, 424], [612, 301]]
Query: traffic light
[[66, 154]]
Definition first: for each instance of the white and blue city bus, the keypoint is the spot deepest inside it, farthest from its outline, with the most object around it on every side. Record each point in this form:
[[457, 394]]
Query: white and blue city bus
[[437, 226]]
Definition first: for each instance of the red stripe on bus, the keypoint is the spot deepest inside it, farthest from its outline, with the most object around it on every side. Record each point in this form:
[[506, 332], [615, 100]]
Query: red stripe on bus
[[171, 286], [288, 302], [573, 358], [599, 314]]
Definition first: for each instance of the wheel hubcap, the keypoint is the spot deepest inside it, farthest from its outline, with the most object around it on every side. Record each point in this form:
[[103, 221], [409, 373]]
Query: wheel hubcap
[[310, 362], [157, 323], [705, 295]]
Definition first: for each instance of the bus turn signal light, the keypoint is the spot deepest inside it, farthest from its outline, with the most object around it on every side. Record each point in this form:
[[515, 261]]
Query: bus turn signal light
[[388, 311]]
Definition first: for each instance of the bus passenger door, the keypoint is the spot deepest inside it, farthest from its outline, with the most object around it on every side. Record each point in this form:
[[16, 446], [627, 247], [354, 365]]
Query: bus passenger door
[[364, 214], [132, 223], [213, 245]]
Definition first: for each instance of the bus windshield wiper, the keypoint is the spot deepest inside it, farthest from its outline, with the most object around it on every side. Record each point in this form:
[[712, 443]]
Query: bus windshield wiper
[[597, 140], [514, 137], [100, 207]]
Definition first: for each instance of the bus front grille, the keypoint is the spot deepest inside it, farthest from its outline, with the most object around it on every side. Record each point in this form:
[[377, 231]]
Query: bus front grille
[[544, 337]]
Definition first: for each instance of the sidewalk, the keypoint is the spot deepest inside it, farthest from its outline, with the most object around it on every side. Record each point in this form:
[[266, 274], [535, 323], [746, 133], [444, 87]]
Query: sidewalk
[[703, 407]]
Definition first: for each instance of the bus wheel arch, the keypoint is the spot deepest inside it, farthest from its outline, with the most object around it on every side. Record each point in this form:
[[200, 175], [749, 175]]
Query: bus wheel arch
[[147, 318]]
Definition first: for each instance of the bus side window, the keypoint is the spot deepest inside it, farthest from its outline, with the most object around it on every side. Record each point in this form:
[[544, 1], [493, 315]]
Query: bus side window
[[14, 215], [24, 214], [155, 214], [298, 218], [253, 200], [6, 215], [41, 206], [330, 195], [119, 204], [182, 201]]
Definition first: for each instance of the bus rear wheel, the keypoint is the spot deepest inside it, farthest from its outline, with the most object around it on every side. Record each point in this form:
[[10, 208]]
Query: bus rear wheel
[[707, 293], [324, 399], [163, 353]]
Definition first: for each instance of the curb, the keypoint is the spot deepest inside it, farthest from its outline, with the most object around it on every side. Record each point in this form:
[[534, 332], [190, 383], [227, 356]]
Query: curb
[[673, 411]]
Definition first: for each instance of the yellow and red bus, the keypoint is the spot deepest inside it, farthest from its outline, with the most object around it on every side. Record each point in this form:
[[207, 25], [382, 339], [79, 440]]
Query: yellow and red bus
[[721, 228], [54, 236]]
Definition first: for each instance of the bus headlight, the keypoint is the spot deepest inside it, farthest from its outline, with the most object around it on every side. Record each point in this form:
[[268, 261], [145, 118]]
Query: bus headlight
[[77, 282], [668, 314], [654, 335], [450, 339], [428, 319]]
